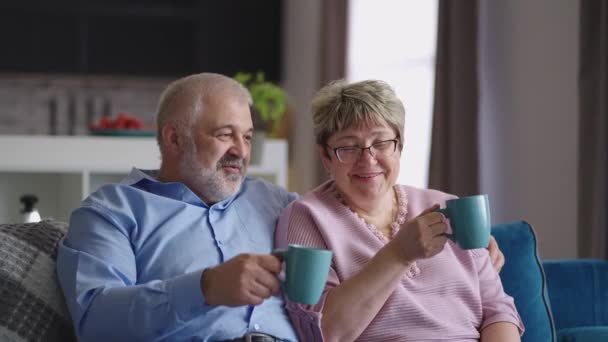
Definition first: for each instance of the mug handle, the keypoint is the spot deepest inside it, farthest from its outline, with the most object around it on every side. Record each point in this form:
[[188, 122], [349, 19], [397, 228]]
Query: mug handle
[[444, 211], [281, 253]]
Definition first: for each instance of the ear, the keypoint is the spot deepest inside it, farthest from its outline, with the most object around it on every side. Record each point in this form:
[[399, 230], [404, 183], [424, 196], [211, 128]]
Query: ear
[[171, 139], [325, 157]]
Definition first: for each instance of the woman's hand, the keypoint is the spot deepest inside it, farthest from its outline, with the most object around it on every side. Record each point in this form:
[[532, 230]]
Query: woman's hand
[[498, 259], [422, 237], [351, 306]]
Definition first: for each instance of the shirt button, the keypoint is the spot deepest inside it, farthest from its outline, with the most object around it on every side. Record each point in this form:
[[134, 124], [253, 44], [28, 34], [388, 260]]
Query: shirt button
[[219, 242], [256, 326]]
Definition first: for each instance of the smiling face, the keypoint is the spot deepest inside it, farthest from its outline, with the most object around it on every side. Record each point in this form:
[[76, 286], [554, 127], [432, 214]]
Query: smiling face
[[215, 160], [369, 178]]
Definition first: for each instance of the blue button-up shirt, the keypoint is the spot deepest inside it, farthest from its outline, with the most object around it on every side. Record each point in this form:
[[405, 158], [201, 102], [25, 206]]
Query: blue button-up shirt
[[131, 263]]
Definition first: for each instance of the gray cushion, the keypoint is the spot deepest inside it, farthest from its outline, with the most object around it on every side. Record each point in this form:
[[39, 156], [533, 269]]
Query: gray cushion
[[32, 307]]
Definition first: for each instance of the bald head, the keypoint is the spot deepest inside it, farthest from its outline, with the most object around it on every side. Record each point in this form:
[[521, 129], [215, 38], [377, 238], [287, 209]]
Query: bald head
[[184, 100]]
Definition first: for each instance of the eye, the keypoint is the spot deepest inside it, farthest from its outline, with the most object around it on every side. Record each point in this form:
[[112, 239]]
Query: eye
[[248, 137], [349, 149], [383, 145], [224, 135]]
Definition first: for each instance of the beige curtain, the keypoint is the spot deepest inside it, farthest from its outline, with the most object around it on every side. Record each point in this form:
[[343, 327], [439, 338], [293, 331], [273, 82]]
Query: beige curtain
[[454, 148], [593, 130]]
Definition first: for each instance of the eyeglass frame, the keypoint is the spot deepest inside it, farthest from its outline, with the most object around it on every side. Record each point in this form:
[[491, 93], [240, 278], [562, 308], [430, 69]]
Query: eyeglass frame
[[362, 149]]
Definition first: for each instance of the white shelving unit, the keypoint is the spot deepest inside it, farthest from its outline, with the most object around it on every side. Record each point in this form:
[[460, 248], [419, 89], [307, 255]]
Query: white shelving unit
[[62, 170]]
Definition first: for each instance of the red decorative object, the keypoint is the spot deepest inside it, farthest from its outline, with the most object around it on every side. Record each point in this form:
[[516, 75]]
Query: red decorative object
[[122, 121]]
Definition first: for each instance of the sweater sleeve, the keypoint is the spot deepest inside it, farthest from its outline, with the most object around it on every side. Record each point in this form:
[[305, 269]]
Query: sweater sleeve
[[497, 306], [296, 226]]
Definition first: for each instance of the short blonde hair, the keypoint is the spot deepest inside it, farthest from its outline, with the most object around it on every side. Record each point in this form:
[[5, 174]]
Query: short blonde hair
[[183, 101], [340, 105]]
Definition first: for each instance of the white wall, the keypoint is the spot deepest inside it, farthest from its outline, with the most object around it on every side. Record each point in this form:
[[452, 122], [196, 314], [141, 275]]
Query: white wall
[[529, 123]]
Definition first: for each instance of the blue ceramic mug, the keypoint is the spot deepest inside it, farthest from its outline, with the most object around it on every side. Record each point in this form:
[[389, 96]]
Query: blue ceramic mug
[[470, 221], [306, 270]]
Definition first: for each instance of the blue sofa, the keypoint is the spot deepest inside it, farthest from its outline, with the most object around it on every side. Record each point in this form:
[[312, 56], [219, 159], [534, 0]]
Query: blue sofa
[[558, 300], [577, 289]]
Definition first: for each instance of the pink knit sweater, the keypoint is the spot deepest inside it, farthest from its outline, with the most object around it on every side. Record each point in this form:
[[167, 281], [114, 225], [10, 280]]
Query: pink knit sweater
[[451, 296]]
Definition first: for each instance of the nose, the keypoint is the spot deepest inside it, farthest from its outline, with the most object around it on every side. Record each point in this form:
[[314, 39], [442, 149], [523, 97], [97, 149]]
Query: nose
[[367, 155], [241, 147]]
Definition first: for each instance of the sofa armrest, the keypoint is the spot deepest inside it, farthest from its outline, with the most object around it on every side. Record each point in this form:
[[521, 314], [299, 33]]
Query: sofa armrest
[[578, 292]]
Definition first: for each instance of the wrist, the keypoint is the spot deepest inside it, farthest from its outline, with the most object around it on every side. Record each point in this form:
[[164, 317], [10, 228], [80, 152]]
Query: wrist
[[396, 253], [205, 284]]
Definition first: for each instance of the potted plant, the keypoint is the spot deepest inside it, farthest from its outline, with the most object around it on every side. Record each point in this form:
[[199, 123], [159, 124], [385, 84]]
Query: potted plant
[[269, 102], [268, 110]]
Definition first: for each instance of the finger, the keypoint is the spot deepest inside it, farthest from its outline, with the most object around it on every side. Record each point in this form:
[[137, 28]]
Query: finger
[[496, 256], [429, 210], [257, 289], [492, 244], [439, 240], [492, 253], [268, 281], [500, 262], [270, 263], [438, 243], [433, 218], [437, 229], [253, 299]]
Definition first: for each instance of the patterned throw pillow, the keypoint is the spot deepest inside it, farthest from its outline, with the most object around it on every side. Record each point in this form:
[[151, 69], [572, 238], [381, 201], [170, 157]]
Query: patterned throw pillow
[[32, 307]]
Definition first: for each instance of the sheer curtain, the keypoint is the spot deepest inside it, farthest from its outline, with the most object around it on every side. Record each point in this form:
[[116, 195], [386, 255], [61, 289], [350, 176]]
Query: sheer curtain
[[395, 41], [593, 129], [454, 165]]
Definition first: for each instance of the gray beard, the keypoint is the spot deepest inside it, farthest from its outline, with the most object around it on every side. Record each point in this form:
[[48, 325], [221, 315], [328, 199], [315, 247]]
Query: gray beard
[[211, 185]]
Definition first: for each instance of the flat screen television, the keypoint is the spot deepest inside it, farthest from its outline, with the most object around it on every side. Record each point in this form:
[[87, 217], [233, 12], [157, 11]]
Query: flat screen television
[[143, 38]]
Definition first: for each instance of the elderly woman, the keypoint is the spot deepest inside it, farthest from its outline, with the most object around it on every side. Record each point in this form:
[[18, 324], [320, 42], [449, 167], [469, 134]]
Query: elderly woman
[[395, 276]]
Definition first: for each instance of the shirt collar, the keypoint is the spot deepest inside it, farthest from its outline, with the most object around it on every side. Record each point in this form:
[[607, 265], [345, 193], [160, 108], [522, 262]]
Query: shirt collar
[[136, 175], [148, 180]]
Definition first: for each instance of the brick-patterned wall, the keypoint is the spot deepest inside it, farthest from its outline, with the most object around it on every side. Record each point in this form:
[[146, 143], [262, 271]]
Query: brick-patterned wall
[[68, 105]]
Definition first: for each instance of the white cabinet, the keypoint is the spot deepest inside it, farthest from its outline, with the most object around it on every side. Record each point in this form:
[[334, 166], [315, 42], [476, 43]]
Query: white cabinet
[[62, 170]]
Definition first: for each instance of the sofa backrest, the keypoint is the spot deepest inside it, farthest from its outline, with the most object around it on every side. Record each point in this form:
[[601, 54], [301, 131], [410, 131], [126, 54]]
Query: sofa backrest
[[523, 278]]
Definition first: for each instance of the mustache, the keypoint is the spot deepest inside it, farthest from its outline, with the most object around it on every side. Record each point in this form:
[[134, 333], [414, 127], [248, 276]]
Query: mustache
[[229, 160]]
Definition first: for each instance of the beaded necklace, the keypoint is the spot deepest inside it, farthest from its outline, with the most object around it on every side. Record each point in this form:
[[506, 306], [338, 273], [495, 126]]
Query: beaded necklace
[[398, 220]]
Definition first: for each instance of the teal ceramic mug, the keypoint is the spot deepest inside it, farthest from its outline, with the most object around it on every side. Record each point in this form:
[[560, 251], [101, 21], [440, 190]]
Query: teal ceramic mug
[[306, 270], [470, 221]]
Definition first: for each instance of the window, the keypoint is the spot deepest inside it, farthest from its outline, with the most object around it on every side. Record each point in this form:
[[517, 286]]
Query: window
[[395, 41]]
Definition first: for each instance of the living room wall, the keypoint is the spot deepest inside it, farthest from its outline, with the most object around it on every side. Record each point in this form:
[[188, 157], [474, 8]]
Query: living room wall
[[529, 117]]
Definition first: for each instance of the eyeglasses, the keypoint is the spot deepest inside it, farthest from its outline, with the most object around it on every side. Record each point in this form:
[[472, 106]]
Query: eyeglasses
[[350, 154]]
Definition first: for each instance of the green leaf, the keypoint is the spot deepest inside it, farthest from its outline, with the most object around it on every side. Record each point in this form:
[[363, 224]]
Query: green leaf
[[269, 99]]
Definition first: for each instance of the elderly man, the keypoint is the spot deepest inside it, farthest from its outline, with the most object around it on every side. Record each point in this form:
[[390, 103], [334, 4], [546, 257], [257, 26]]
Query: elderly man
[[183, 253], [172, 254]]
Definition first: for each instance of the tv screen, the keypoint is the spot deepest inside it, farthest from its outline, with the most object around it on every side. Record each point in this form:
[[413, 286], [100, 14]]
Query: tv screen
[[148, 38]]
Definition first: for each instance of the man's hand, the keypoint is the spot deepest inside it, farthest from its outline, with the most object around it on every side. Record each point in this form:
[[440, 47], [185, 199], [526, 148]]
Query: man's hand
[[498, 259], [243, 280]]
